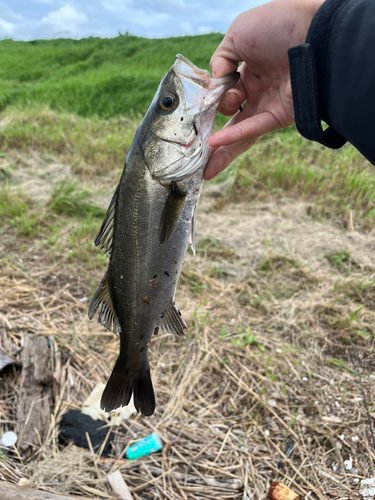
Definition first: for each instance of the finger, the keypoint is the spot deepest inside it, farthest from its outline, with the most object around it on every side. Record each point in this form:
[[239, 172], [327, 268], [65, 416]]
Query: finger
[[239, 129], [231, 101], [224, 156], [225, 58]]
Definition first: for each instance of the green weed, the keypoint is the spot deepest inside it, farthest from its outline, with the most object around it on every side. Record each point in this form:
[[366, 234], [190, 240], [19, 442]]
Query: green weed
[[341, 363], [342, 261], [69, 199], [244, 338]]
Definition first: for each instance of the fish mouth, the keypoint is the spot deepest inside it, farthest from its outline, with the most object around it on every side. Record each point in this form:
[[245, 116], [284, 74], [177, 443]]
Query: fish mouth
[[200, 89], [202, 95]]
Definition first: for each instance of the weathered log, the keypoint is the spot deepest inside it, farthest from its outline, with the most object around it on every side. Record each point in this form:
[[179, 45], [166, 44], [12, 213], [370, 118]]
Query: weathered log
[[35, 395], [12, 492]]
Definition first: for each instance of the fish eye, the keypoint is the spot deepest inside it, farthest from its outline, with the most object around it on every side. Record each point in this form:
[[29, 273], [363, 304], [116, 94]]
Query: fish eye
[[167, 102]]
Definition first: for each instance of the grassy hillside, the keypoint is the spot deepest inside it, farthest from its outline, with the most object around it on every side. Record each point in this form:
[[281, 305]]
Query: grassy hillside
[[81, 100], [93, 76]]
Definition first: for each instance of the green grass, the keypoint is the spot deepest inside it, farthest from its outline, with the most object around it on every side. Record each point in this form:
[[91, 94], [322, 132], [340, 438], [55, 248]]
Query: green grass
[[16, 211], [88, 144], [285, 164], [94, 76], [70, 199]]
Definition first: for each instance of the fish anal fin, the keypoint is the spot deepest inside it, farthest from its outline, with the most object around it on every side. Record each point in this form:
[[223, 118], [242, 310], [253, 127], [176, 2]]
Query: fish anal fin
[[173, 322], [107, 315], [171, 213], [105, 233], [121, 386]]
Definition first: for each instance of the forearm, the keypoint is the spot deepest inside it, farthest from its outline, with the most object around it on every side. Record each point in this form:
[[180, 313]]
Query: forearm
[[333, 76]]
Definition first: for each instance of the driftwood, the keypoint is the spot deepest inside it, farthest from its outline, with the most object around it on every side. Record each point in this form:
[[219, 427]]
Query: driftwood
[[35, 398], [12, 492]]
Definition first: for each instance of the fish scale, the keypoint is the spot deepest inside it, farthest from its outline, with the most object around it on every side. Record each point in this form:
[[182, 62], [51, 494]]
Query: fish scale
[[148, 223]]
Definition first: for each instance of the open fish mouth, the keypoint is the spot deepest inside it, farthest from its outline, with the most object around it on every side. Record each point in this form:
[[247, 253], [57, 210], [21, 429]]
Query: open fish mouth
[[200, 89]]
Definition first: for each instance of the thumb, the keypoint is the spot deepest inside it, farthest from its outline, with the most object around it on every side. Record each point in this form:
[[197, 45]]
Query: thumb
[[225, 58]]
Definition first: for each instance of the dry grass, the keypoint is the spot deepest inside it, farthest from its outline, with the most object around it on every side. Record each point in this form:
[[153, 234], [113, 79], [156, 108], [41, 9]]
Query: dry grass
[[267, 366], [280, 306]]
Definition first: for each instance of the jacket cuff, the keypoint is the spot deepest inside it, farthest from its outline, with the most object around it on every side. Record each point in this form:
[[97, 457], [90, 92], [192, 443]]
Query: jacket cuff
[[307, 75]]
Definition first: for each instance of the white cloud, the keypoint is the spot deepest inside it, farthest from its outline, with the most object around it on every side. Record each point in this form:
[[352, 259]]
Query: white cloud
[[66, 19], [6, 29], [150, 18]]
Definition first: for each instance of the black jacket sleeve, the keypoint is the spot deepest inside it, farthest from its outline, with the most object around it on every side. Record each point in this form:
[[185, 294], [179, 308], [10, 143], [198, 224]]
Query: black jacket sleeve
[[333, 76]]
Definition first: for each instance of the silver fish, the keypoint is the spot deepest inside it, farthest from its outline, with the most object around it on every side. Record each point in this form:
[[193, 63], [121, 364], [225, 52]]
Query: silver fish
[[149, 223]]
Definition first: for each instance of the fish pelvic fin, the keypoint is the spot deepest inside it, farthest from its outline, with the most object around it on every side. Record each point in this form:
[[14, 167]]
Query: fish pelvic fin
[[122, 384], [171, 213], [107, 315], [173, 322]]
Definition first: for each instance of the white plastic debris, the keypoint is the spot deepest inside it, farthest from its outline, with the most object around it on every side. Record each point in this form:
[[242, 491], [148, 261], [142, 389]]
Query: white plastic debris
[[367, 489], [5, 361], [348, 463], [355, 438], [92, 408], [24, 482], [305, 379], [272, 402], [8, 439], [119, 486]]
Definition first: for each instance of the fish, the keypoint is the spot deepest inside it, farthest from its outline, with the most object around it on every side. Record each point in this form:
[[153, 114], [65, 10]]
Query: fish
[[149, 224]]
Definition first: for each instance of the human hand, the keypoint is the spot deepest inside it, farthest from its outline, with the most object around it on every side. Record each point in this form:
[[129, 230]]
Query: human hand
[[260, 39]]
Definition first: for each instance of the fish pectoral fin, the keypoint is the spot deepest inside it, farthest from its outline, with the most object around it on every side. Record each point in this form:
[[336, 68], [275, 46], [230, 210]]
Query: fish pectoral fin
[[105, 233], [171, 213], [192, 232], [120, 387], [173, 322], [107, 315]]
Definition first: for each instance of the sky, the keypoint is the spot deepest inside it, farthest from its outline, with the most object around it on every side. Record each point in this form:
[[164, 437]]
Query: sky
[[32, 19]]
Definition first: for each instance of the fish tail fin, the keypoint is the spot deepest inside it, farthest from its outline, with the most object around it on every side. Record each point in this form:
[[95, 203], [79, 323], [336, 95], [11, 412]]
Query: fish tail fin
[[144, 397], [121, 386]]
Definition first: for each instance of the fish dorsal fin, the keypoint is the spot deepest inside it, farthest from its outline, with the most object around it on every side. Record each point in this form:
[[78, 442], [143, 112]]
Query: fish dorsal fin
[[105, 233], [192, 232], [171, 213], [107, 315], [173, 322]]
